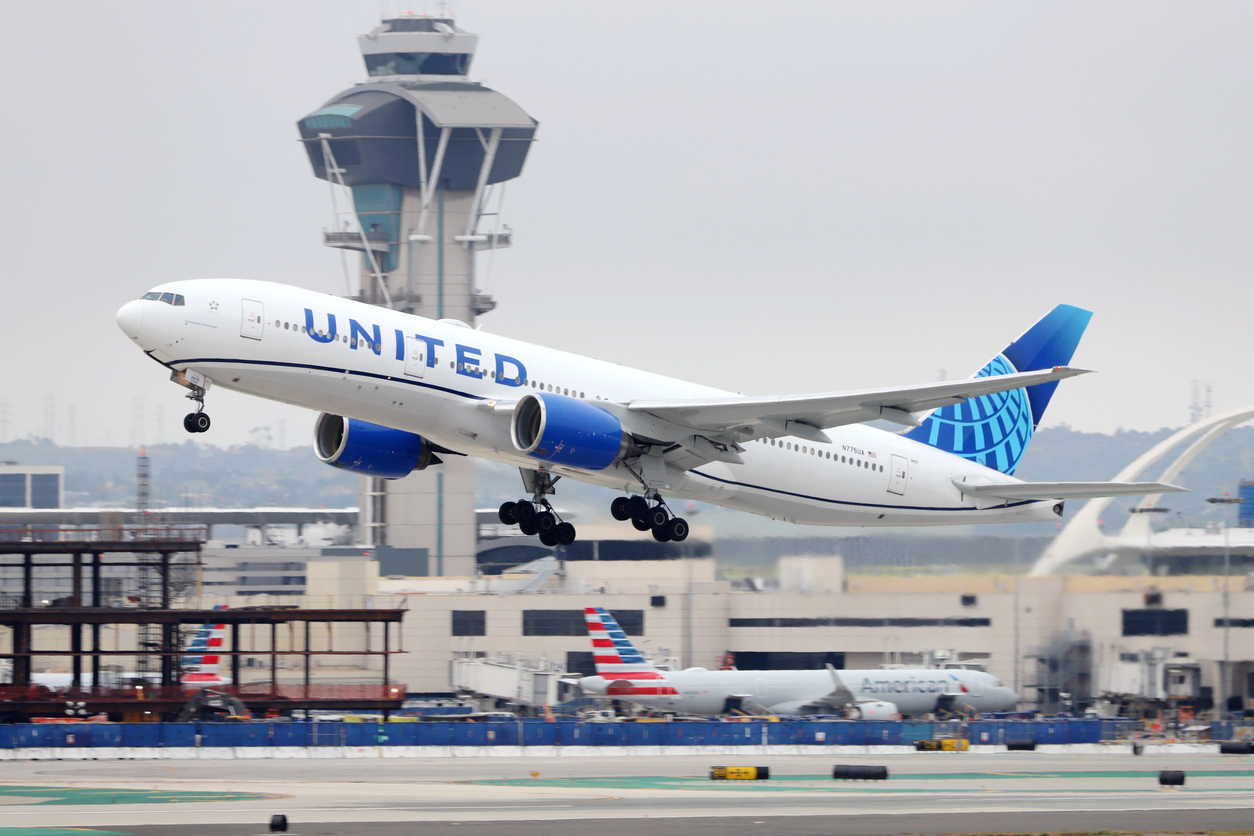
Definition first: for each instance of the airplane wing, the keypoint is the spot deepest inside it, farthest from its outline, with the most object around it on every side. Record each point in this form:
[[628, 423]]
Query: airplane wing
[[839, 699], [806, 416], [1062, 490]]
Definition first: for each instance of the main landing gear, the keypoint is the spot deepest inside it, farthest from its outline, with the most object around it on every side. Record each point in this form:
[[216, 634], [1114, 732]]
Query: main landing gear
[[536, 516], [655, 517], [198, 421]]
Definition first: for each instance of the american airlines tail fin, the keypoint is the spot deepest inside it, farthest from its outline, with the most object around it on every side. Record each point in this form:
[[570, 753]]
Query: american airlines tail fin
[[201, 668], [618, 662], [994, 430]]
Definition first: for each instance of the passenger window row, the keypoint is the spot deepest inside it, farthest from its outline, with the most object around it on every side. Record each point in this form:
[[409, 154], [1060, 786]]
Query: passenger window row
[[813, 451], [464, 367], [278, 323]]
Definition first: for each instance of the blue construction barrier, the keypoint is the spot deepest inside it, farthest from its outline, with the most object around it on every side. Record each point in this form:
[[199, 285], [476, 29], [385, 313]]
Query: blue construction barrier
[[566, 733], [141, 734], [326, 734], [291, 734], [910, 732], [1084, 731], [986, 732], [179, 734]]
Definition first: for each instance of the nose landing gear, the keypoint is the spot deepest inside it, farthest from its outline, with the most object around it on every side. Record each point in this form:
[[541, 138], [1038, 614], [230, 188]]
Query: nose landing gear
[[198, 421], [656, 517]]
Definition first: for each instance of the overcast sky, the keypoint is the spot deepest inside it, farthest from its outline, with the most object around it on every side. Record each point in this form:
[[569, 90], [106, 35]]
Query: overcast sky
[[768, 197]]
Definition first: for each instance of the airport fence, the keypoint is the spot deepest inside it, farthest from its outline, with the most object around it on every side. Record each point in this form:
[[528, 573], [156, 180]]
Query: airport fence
[[565, 733]]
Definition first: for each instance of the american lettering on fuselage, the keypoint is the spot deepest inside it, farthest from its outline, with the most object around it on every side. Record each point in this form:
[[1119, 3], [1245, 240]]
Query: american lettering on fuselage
[[397, 391]]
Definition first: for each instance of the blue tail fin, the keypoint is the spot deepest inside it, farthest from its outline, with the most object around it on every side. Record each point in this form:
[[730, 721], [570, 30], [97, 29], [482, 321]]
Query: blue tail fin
[[994, 430]]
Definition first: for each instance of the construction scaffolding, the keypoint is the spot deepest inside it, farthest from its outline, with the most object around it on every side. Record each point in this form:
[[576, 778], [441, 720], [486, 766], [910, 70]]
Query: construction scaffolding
[[163, 553]]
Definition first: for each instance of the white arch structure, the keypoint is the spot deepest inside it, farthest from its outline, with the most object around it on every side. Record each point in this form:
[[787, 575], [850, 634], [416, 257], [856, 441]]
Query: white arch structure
[[1083, 537]]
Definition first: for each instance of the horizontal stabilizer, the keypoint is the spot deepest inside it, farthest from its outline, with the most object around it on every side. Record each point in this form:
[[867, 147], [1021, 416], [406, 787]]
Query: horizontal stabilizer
[[1063, 490]]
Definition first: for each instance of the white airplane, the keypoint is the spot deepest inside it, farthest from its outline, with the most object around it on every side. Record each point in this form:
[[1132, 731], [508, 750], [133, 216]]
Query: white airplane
[[396, 391], [622, 673]]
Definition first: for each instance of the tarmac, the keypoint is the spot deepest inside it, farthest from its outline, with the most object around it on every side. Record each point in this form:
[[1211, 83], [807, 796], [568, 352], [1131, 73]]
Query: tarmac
[[940, 792]]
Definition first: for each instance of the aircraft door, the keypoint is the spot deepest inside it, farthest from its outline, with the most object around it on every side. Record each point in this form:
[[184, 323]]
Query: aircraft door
[[899, 475], [415, 357], [253, 320]]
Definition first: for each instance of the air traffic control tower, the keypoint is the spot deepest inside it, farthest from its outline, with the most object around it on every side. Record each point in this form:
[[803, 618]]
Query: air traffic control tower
[[421, 148]]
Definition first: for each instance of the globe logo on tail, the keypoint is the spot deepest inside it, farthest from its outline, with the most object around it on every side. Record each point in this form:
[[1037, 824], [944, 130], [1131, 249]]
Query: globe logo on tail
[[993, 430]]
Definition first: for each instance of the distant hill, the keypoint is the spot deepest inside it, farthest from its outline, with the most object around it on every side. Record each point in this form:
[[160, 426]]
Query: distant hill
[[193, 475]]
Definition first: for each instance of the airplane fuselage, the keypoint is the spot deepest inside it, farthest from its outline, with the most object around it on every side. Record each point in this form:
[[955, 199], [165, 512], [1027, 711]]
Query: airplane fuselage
[[455, 386], [913, 692]]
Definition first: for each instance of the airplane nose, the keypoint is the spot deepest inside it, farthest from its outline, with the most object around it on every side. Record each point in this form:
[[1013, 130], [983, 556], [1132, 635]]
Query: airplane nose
[[131, 318]]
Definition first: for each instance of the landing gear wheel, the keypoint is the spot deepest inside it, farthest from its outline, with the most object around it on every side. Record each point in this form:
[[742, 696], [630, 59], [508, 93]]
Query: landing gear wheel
[[660, 535], [524, 510], [548, 538], [508, 513], [620, 509], [640, 524], [657, 517], [639, 506], [528, 527], [565, 534], [677, 530], [189, 422], [545, 522], [200, 422]]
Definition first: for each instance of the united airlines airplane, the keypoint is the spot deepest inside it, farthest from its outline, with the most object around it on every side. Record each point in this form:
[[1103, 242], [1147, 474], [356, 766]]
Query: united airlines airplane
[[398, 391], [623, 674]]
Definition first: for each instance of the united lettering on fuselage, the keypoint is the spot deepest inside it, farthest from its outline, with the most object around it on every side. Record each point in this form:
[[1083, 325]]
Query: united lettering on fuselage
[[468, 362]]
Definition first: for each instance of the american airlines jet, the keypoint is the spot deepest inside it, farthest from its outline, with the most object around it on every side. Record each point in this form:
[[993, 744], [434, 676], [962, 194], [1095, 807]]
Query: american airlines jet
[[623, 674], [398, 391]]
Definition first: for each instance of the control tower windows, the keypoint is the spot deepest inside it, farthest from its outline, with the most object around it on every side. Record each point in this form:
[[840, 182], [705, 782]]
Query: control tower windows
[[418, 63]]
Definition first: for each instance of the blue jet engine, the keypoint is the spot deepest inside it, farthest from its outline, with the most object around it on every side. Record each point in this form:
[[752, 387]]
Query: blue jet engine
[[369, 449], [568, 431]]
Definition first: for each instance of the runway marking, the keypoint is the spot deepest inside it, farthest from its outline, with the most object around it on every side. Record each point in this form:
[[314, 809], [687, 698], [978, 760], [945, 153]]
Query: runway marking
[[824, 784], [27, 795]]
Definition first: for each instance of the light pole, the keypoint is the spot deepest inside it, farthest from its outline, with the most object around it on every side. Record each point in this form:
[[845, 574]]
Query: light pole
[[1149, 530], [1226, 670]]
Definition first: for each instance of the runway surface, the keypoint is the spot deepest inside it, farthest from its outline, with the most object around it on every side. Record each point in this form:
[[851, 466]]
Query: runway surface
[[927, 793]]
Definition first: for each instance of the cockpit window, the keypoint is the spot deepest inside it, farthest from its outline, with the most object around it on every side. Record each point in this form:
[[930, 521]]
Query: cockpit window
[[175, 299]]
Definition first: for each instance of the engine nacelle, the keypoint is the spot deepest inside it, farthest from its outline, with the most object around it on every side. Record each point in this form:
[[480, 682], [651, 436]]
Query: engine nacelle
[[568, 431], [875, 710], [369, 449]]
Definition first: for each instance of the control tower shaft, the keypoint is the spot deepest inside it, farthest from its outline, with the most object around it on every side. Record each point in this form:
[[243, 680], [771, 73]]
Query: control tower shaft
[[420, 146]]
